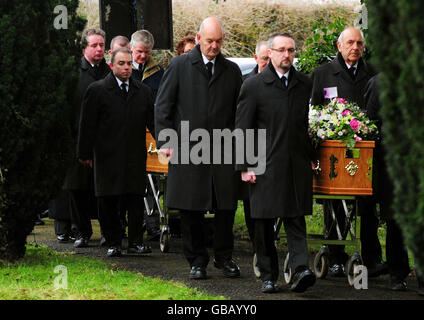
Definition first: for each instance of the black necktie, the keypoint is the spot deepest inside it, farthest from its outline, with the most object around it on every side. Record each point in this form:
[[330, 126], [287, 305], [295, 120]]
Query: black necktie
[[97, 72], [283, 81], [124, 89], [351, 72], [141, 69], [209, 66]]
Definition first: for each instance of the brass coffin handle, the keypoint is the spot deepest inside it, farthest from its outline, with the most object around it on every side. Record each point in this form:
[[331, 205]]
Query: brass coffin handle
[[352, 168], [317, 169], [151, 151]]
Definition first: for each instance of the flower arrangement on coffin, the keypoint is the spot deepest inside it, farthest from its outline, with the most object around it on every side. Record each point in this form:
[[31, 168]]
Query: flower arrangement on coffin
[[340, 120]]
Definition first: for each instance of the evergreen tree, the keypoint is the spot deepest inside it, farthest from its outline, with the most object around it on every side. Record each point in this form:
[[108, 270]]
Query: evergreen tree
[[396, 38], [39, 71]]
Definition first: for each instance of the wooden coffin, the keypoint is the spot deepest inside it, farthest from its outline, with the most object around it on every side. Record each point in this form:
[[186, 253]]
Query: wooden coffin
[[152, 163], [344, 171]]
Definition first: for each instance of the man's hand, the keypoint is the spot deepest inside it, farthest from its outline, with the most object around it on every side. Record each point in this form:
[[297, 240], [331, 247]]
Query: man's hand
[[86, 162], [167, 152], [248, 176]]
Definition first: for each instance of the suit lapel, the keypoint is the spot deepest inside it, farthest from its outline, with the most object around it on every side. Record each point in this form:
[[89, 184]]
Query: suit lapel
[[219, 68], [134, 87], [196, 60], [112, 85]]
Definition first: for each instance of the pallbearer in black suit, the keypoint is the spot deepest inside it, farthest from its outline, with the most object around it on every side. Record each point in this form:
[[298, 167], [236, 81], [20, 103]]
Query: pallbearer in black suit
[[346, 77], [115, 113], [79, 180], [277, 100], [200, 88]]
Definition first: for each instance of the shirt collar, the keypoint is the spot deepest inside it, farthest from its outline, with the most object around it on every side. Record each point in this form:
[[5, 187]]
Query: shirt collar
[[281, 75], [136, 65], [354, 66], [205, 60], [120, 82]]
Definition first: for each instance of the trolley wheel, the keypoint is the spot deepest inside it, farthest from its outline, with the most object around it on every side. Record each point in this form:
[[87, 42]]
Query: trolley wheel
[[164, 241], [287, 272], [321, 263], [354, 260], [256, 270]]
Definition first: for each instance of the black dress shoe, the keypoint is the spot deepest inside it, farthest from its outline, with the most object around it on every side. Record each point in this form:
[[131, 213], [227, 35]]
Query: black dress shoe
[[229, 268], [38, 221], [269, 286], [302, 280], [114, 252], [197, 273], [420, 286], [81, 243], [337, 270], [396, 284], [103, 242], [377, 269], [139, 249], [62, 237]]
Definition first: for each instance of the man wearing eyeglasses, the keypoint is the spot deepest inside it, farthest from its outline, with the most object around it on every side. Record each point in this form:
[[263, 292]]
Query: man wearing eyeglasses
[[277, 99]]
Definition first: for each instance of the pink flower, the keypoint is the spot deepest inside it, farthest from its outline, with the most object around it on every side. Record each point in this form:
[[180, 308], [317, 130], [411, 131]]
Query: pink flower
[[354, 124], [341, 100], [346, 112], [357, 138]]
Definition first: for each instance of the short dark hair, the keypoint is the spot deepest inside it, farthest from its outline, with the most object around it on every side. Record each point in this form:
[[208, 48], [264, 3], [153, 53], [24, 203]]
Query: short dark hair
[[123, 49], [122, 40], [88, 32], [279, 34]]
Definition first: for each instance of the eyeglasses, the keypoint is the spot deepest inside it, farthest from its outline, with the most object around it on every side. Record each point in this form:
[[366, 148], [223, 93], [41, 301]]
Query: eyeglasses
[[282, 50]]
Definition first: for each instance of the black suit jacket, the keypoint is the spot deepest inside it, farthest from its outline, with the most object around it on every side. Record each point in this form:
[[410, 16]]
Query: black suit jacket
[[335, 74], [285, 189], [186, 94], [112, 131], [79, 177]]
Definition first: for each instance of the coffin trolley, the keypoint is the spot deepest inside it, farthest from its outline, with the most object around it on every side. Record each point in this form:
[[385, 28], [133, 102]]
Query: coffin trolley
[[342, 174]]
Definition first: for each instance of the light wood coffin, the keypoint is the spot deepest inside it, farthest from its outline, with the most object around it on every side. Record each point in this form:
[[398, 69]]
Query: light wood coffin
[[152, 163], [344, 171]]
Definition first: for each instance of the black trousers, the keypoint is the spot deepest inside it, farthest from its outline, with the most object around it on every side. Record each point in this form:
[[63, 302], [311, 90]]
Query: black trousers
[[110, 222], [83, 209], [370, 244], [249, 222], [396, 253], [266, 251], [195, 239], [62, 227]]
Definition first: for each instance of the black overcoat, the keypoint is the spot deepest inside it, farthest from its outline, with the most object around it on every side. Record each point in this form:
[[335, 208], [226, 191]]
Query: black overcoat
[[79, 177], [382, 183], [335, 74], [113, 130], [285, 189], [187, 94]]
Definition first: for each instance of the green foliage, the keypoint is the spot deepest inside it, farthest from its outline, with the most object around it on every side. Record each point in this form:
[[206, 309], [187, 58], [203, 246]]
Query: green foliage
[[39, 72], [396, 39], [321, 46]]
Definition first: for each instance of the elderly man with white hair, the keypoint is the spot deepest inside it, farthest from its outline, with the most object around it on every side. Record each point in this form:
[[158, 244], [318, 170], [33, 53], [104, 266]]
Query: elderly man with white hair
[[346, 77]]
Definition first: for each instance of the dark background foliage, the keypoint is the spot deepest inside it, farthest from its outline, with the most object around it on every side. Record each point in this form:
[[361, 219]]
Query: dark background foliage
[[39, 67], [396, 39]]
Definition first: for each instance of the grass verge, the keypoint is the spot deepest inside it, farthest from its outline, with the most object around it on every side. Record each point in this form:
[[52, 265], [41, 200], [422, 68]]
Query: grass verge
[[33, 278]]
